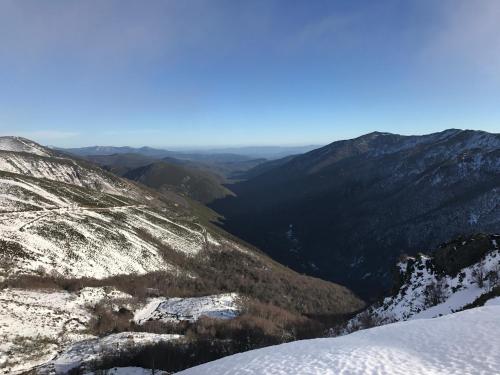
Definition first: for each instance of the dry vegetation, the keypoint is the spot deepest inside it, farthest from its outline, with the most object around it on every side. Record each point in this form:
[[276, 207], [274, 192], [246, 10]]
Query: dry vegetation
[[278, 306], [207, 339], [218, 271]]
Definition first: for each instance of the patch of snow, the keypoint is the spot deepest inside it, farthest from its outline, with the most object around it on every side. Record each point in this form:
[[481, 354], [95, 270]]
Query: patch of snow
[[493, 302], [473, 218], [357, 261], [90, 296]]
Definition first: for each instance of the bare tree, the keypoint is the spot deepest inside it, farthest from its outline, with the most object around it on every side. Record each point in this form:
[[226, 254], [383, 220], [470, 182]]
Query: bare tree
[[435, 293], [368, 319], [478, 275], [494, 277]]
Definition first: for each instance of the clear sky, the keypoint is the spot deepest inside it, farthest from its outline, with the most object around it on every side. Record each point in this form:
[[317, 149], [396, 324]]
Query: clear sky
[[232, 72]]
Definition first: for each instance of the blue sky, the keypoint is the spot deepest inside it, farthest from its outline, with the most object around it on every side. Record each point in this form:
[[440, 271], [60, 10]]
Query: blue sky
[[176, 73]]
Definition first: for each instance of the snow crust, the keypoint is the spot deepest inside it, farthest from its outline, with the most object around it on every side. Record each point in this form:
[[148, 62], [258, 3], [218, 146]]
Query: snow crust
[[464, 343], [218, 306], [493, 302]]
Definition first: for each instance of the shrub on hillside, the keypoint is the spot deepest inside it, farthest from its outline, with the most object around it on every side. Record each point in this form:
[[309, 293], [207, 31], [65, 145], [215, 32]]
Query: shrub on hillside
[[435, 293], [479, 275]]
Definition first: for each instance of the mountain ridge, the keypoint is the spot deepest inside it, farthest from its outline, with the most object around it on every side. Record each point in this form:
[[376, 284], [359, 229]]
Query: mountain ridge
[[353, 205], [196, 184]]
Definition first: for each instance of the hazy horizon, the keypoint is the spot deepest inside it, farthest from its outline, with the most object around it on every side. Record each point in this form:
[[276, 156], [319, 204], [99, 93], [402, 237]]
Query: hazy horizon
[[208, 147], [234, 146]]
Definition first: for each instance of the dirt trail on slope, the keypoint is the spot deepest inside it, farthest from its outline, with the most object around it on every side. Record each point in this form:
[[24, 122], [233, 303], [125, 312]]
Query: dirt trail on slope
[[62, 210]]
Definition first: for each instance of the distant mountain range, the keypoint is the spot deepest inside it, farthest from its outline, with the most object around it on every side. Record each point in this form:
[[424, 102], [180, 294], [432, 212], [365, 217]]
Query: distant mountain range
[[198, 174], [233, 153], [262, 152], [346, 211]]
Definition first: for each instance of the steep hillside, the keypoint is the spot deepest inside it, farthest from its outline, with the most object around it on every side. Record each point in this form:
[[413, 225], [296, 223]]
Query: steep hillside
[[194, 183], [66, 226], [263, 168], [120, 163], [63, 228], [219, 163], [19, 144], [346, 211], [186, 178], [458, 275], [208, 165], [42, 163]]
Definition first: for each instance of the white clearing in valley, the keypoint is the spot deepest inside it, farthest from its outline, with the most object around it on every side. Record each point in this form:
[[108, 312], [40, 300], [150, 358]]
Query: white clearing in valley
[[219, 306]]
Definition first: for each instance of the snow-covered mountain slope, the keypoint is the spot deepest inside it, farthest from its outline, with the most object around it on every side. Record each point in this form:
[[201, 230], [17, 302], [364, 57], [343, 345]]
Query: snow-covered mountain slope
[[51, 226], [464, 343], [63, 169], [66, 225], [219, 306], [19, 144], [451, 278], [62, 215], [27, 158]]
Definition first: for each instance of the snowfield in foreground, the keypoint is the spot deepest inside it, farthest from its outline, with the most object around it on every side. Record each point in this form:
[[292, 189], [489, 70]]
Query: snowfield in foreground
[[219, 306], [467, 342]]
